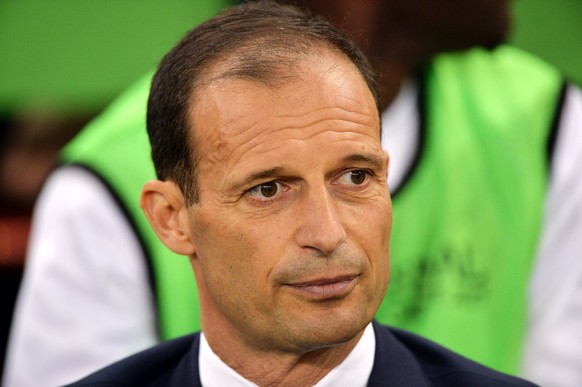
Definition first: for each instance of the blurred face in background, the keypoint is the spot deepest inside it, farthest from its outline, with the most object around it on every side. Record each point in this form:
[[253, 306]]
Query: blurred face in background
[[444, 24]]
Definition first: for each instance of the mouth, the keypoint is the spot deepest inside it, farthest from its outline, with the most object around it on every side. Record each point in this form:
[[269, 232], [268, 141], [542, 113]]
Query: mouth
[[326, 288]]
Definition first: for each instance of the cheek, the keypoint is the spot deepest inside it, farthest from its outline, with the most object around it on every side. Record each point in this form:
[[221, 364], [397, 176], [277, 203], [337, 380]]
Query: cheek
[[372, 224], [371, 228], [379, 237], [225, 267], [235, 264]]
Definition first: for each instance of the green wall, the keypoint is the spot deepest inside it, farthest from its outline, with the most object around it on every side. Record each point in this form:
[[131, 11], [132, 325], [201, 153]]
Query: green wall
[[78, 54], [552, 29]]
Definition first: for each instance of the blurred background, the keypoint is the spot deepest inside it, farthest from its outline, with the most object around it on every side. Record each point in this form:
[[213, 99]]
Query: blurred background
[[63, 61]]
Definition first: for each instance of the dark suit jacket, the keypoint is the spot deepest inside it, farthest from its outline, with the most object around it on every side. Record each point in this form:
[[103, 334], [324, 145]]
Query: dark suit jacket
[[402, 359]]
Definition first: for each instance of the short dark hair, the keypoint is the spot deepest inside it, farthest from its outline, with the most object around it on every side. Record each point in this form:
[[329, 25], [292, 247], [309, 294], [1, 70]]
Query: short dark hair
[[260, 41]]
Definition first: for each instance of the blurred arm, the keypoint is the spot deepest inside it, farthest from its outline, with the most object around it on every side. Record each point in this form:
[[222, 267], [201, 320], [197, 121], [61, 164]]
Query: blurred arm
[[553, 348], [84, 300]]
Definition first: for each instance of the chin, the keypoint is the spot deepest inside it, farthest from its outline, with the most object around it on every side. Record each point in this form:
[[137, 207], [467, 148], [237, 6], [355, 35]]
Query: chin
[[331, 331]]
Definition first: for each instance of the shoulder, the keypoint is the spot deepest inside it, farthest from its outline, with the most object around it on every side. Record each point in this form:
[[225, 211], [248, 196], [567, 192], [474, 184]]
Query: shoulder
[[436, 365], [504, 58], [122, 119], [172, 363], [513, 72]]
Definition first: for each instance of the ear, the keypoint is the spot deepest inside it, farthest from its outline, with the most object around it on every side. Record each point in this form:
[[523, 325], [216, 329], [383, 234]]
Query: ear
[[164, 206], [387, 161]]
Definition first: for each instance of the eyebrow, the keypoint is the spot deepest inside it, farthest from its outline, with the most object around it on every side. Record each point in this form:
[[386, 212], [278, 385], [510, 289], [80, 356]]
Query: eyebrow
[[369, 158], [258, 176], [268, 174]]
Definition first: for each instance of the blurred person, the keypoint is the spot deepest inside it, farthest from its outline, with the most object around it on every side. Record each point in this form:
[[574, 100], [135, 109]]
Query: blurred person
[[31, 138], [480, 142], [272, 180]]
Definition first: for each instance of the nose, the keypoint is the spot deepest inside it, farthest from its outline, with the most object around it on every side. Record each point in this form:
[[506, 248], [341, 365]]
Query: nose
[[320, 226]]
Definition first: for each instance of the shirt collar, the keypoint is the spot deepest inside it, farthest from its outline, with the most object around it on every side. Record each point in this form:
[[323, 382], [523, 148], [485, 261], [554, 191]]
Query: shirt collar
[[353, 371]]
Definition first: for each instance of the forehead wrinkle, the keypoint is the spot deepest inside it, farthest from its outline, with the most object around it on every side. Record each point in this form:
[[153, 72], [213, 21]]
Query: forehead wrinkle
[[347, 115], [261, 144], [352, 121], [266, 145], [248, 139]]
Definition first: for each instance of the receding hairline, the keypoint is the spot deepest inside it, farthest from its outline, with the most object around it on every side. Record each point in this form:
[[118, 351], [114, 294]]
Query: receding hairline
[[274, 74], [274, 67]]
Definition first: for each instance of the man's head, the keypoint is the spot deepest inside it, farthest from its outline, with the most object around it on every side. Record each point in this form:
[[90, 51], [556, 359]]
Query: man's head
[[289, 233], [239, 51]]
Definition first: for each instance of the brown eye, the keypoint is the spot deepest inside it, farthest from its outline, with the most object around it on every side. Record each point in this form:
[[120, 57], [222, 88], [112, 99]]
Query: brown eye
[[358, 177], [268, 190]]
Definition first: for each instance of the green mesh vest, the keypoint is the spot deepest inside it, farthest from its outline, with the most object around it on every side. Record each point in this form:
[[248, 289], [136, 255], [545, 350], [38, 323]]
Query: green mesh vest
[[465, 223], [115, 147]]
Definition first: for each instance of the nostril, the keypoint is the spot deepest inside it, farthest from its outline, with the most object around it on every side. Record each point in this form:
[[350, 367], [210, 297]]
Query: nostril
[[325, 237], [321, 227]]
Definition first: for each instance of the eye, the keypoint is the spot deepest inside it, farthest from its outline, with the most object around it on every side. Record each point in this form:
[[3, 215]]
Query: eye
[[354, 177], [265, 190], [358, 177]]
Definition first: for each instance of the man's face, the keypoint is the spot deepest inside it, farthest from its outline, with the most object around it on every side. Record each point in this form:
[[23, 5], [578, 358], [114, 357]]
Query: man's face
[[292, 228]]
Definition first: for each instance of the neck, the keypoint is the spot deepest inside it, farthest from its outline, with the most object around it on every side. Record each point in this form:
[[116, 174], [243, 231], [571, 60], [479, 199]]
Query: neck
[[281, 368]]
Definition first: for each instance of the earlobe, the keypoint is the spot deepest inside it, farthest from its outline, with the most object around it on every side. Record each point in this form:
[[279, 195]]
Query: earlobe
[[163, 204]]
